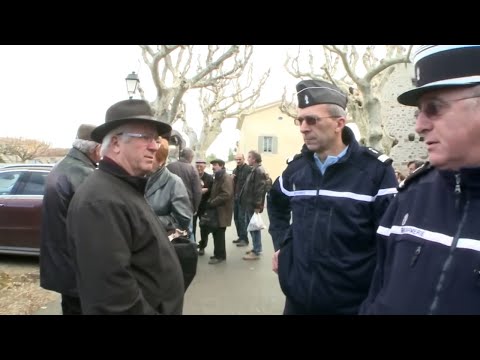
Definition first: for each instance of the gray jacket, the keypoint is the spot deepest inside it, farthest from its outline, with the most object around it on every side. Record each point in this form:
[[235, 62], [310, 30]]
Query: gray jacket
[[168, 197]]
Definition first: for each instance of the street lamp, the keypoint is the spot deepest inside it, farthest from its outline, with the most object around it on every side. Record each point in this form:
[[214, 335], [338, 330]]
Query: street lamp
[[132, 83]]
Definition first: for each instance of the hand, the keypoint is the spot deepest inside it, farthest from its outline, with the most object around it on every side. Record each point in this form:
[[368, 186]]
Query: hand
[[275, 262], [204, 190]]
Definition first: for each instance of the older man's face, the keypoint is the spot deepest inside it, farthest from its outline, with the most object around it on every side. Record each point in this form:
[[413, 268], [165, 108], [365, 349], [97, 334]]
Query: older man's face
[[136, 148], [201, 168], [449, 121]]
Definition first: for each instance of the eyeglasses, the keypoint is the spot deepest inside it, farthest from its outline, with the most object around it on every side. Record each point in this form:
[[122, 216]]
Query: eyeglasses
[[433, 108], [148, 138], [312, 119]]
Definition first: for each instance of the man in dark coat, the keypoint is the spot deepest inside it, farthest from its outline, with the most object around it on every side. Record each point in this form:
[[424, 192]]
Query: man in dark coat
[[207, 183], [124, 261], [240, 174], [252, 199], [56, 269], [221, 199], [184, 168]]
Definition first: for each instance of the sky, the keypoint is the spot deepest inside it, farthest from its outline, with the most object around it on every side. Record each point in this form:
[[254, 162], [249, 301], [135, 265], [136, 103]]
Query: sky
[[49, 90]]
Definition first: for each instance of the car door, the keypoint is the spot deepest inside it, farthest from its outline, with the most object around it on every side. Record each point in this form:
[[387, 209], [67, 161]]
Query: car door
[[23, 207], [9, 180]]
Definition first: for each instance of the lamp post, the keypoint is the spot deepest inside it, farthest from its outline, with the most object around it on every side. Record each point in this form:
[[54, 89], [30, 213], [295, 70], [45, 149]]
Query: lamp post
[[132, 81]]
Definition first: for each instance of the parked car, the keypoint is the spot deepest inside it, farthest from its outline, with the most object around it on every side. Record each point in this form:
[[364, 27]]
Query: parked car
[[21, 194]]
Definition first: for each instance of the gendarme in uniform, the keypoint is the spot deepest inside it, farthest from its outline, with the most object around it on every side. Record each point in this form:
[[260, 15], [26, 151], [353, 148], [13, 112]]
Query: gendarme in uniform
[[327, 258]]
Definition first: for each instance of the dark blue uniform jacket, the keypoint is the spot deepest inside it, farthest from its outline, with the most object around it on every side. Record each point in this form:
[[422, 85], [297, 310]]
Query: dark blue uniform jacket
[[429, 247], [327, 257]]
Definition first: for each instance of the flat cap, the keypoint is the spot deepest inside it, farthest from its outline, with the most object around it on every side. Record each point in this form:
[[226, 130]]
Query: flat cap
[[314, 92], [218, 161], [84, 132]]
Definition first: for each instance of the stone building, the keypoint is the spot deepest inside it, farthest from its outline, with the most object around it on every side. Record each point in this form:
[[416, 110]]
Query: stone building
[[400, 120]]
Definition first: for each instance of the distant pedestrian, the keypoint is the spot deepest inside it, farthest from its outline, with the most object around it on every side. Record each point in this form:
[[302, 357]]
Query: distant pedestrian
[[207, 183], [188, 173], [221, 202], [252, 199], [240, 174]]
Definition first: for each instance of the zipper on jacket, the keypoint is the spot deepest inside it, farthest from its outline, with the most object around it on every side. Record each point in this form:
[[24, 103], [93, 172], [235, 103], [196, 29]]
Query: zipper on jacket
[[457, 191], [417, 252], [449, 260]]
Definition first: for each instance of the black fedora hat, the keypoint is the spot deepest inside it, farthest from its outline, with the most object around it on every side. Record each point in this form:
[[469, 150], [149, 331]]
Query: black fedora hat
[[128, 111], [443, 66]]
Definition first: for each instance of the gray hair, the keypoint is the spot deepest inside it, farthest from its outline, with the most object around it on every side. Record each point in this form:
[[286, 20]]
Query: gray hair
[[108, 138], [336, 110], [85, 146], [187, 154]]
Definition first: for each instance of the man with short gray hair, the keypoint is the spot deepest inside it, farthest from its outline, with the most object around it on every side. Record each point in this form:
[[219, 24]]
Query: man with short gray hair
[[56, 269]]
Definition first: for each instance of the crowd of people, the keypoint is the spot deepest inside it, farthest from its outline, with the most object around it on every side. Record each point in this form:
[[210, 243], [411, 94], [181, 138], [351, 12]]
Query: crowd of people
[[351, 234]]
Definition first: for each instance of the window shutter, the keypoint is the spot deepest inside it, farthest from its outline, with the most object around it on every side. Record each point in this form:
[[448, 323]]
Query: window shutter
[[260, 144], [274, 145]]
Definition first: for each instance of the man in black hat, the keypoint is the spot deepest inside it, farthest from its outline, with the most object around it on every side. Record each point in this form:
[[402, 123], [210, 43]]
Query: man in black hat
[[56, 269], [429, 237], [125, 263], [336, 191], [220, 207]]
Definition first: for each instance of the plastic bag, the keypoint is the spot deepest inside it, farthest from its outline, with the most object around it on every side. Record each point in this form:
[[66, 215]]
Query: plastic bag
[[256, 223]]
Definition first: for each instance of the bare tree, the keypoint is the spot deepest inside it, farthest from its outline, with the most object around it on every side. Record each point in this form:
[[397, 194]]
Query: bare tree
[[173, 74], [23, 149], [341, 67], [228, 99]]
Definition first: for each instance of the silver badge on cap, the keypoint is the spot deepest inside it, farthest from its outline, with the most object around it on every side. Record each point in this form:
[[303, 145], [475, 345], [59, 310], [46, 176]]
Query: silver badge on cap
[[306, 100]]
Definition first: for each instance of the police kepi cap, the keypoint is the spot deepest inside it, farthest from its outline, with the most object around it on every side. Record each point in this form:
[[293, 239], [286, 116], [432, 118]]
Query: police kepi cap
[[84, 132], [441, 66], [314, 92]]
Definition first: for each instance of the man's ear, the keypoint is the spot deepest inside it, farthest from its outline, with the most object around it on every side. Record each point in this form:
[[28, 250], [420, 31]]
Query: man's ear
[[340, 124]]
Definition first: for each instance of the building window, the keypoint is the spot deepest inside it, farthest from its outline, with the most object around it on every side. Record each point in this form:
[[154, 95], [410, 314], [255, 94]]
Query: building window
[[267, 144]]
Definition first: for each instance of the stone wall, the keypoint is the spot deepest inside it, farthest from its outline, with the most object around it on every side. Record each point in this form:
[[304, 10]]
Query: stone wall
[[400, 120]]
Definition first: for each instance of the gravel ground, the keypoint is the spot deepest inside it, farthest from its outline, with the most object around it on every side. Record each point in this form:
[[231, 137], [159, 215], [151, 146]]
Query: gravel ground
[[20, 292]]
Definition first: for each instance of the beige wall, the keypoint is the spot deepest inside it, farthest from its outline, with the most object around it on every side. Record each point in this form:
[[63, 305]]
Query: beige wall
[[265, 122]]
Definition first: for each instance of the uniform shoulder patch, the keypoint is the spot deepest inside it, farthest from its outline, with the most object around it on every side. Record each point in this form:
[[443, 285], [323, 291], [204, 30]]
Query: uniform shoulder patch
[[293, 157], [421, 171], [387, 160]]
